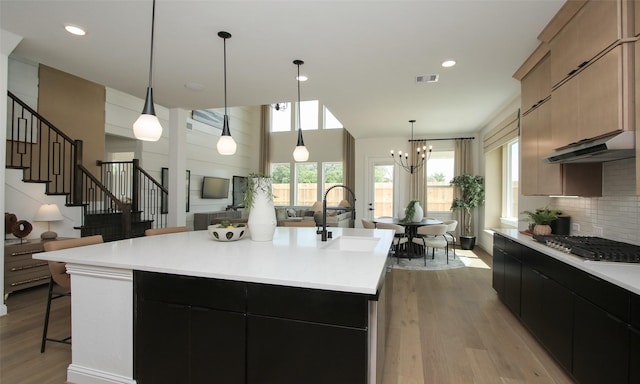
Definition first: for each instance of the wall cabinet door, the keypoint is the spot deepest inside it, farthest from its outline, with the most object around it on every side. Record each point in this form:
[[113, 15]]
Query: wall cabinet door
[[538, 177], [594, 28], [600, 345], [536, 85], [591, 103]]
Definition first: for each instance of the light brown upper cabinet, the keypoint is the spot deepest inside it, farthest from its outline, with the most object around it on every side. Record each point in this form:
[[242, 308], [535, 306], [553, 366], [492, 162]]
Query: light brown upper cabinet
[[538, 177], [594, 28], [592, 103], [636, 12], [536, 85]]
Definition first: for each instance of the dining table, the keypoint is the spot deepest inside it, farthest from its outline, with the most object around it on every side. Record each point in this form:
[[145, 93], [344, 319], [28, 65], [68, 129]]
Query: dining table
[[411, 228]]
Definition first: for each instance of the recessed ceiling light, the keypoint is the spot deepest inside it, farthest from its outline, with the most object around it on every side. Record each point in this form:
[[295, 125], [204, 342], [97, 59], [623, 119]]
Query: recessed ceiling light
[[75, 30], [448, 63], [302, 78]]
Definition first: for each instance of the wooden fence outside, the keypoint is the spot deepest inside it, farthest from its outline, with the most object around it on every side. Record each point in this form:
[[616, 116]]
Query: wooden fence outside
[[439, 198]]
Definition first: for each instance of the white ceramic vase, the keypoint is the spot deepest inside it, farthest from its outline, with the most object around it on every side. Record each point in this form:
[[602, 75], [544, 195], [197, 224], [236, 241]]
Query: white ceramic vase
[[418, 213], [262, 216]]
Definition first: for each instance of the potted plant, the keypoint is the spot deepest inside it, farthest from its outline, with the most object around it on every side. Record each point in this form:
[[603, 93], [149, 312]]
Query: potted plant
[[258, 200], [470, 195], [413, 212], [542, 218]]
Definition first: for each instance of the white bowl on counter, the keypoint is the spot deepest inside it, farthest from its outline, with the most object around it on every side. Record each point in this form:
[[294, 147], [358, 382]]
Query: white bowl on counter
[[220, 233]]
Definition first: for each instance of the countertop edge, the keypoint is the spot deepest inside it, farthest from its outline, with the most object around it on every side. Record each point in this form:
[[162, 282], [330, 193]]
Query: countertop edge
[[624, 275]]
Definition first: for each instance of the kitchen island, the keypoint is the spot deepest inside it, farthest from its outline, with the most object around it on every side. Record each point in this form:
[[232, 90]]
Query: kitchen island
[[151, 308]]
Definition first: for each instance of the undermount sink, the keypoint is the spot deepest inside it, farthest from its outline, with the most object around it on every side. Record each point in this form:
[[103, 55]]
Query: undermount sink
[[352, 244]]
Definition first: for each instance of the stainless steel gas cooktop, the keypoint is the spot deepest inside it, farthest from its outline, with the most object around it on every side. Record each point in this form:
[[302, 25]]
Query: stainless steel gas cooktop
[[592, 248]]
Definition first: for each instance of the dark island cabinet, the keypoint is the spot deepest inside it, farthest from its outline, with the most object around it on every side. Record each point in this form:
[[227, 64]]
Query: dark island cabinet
[[300, 335], [199, 330], [188, 330], [589, 325]]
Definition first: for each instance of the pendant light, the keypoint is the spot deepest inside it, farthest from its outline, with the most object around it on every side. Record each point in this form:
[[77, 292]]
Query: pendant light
[[300, 153], [147, 127], [226, 145]]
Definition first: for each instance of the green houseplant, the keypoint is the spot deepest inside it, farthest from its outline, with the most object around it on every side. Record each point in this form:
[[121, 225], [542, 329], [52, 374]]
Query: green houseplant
[[410, 212], [256, 182], [542, 218], [470, 194]]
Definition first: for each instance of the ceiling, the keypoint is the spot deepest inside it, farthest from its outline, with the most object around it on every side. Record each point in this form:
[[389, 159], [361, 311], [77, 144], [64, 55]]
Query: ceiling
[[361, 57]]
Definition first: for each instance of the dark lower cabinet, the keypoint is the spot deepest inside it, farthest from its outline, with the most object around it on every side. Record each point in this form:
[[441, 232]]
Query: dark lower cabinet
[[181, 344], [634, 356], [196, 330], [600, 345], [589, 325], [512, 281], [547, 310], [292, 351]]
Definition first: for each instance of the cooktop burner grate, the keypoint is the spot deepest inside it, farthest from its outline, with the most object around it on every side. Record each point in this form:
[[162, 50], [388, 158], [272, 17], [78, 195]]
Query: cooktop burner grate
[[593, 248]]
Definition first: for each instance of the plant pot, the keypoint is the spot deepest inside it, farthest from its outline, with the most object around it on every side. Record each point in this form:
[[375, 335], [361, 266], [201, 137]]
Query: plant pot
[[542, 229], [467, 242]]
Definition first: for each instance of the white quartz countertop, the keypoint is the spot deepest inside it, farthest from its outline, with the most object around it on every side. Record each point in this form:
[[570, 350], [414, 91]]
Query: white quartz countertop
[[625, 275], [296, 257]]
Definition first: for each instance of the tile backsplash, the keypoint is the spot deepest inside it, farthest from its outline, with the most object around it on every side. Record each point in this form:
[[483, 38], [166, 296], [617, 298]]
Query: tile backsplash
[[615, 215]]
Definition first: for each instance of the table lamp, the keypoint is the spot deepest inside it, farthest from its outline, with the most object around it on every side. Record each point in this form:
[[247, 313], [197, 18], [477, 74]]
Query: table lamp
[[48, 213]]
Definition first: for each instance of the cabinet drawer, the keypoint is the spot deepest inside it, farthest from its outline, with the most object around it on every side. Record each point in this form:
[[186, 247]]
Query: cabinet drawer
[[635, 311], [190, 290], [611, 298], [327, 307], [15, 280]]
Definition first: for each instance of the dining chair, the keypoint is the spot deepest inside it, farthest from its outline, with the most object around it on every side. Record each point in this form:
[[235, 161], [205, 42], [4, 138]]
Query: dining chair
[[60, 281], [368, 224], [451, 233], [400, 239], [162, 231], [432, 236]]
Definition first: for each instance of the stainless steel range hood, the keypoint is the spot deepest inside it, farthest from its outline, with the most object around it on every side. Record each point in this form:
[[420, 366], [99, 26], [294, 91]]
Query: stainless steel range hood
[[609, 148]]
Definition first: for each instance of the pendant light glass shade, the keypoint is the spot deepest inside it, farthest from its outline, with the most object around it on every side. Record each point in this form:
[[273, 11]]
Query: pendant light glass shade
[[300, 153], [148, 127], [226, 145]]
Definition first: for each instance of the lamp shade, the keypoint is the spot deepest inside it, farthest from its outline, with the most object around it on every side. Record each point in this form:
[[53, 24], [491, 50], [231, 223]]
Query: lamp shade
[[226, 145], [301, 153], [48, 212]]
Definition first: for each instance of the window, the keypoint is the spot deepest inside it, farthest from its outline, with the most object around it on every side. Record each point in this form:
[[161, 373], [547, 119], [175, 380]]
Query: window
[[309, 115], [281, 120], [439, 170], [330, 121], [281, 175], [332, 175], [306, 184], [511, 181]]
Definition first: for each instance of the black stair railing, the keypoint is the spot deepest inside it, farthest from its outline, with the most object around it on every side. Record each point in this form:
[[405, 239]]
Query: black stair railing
[[47, 155], [42, 151], [130, 183]]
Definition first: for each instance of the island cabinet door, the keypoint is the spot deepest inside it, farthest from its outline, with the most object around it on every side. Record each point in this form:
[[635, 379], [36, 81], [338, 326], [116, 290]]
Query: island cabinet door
[[298, 335], [188, 330]]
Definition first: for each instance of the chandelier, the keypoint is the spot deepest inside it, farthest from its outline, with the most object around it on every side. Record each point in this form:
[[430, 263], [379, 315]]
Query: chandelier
[[412, 165], [280, 107]]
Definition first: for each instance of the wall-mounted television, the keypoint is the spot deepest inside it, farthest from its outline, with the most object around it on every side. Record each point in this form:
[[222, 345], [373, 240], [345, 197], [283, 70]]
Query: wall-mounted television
[[215, 187]]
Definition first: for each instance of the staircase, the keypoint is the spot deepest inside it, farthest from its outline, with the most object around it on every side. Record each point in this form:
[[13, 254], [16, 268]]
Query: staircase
[[122, 203]]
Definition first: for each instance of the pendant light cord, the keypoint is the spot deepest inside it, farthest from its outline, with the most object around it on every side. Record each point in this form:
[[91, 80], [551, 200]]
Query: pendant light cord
[[153, 23], [224, 45], [299, 122]]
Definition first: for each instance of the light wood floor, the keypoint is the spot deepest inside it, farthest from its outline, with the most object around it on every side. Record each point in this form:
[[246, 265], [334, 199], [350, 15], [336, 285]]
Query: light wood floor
[[446, 327]]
